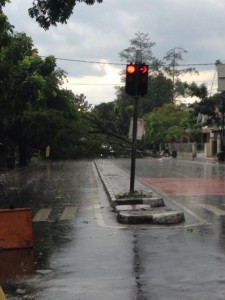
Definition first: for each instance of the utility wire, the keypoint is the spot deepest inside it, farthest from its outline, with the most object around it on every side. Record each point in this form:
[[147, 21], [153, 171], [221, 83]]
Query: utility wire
[[123, 64], [89, 61]]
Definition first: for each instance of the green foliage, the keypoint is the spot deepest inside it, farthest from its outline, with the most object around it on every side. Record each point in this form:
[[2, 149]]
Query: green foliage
[[5, 30], [82, 103], [3, 3], [159, 93], [49, 13], [198, 91], [164, 84], [212, 107], [124, 111], [35, 110], [166, 124]]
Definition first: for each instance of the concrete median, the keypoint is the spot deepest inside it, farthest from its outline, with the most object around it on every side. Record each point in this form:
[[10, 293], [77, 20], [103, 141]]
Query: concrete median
[[140, 208]]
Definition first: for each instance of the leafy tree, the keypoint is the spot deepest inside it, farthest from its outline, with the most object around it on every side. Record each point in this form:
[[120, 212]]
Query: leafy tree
[[171, 67], [166, 124], [107, 113], [159, 92], [35, 111], [82, 103], [209, 107], [41, 109], [198, 91], [164, 84], [171, 63], [50, 12], [141, 42]]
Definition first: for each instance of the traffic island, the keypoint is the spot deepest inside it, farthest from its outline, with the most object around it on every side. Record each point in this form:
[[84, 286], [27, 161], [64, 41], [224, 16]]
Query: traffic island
[[149, 216], [145, 210], [141, 206], [153, 201]]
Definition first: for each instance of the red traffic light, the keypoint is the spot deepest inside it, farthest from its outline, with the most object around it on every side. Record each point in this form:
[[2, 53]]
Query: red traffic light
[[136, 79], [144, 69], [131, 69]]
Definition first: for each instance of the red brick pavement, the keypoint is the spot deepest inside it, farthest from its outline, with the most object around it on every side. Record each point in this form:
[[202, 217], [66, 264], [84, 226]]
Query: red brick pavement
[[187, 186]]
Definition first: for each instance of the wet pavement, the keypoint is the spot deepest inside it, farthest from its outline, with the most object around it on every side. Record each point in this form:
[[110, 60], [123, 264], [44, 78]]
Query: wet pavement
[[82, 252]]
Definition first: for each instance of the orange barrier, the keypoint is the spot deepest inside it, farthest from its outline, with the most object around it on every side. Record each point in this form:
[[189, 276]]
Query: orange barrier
[[16, 228], [16, 264]]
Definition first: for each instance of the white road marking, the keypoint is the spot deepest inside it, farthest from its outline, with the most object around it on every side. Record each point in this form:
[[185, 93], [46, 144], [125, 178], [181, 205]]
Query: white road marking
[[100, 220], [42, 215], [217, 211], [98, 215], [69, 213], [190, 212]]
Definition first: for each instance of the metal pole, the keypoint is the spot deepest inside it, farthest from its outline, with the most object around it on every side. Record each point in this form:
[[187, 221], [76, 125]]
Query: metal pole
[[134, 145], [223, 96], [135, 117]]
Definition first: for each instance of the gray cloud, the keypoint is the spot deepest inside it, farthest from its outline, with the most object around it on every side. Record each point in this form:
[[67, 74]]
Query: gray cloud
[[101, 31]]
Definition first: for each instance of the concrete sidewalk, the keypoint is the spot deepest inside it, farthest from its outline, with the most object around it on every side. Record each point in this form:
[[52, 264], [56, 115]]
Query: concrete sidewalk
[[144, 207]]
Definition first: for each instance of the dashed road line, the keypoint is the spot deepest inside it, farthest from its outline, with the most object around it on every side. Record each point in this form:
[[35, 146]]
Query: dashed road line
[[42, 215], [69, 213]]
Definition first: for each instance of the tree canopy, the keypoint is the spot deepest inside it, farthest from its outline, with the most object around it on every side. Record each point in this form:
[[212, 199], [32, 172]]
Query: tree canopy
[[35, 110], [50, 12], [166, 124]]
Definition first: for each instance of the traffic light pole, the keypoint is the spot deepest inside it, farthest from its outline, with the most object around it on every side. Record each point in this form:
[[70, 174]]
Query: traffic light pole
[[134, 145], [136, 85], [223, 123]]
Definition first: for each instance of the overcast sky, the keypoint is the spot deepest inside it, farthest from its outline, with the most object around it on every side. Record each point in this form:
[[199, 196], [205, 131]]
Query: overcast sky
[[101, 31]]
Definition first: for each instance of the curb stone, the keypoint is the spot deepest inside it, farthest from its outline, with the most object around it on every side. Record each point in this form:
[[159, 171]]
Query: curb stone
[[152, 217], [153, 202]]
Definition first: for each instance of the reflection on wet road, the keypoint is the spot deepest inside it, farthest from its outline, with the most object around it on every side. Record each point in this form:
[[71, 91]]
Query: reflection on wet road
[[81, 252], [196, 187]]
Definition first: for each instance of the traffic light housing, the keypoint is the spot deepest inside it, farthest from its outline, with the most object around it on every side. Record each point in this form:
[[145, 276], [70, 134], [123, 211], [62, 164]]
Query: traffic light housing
[[131, 79], [136, 79], [143, 80]]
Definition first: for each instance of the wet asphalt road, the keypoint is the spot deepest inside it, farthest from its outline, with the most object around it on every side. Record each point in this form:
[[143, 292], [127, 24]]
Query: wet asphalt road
[[89, 256]]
